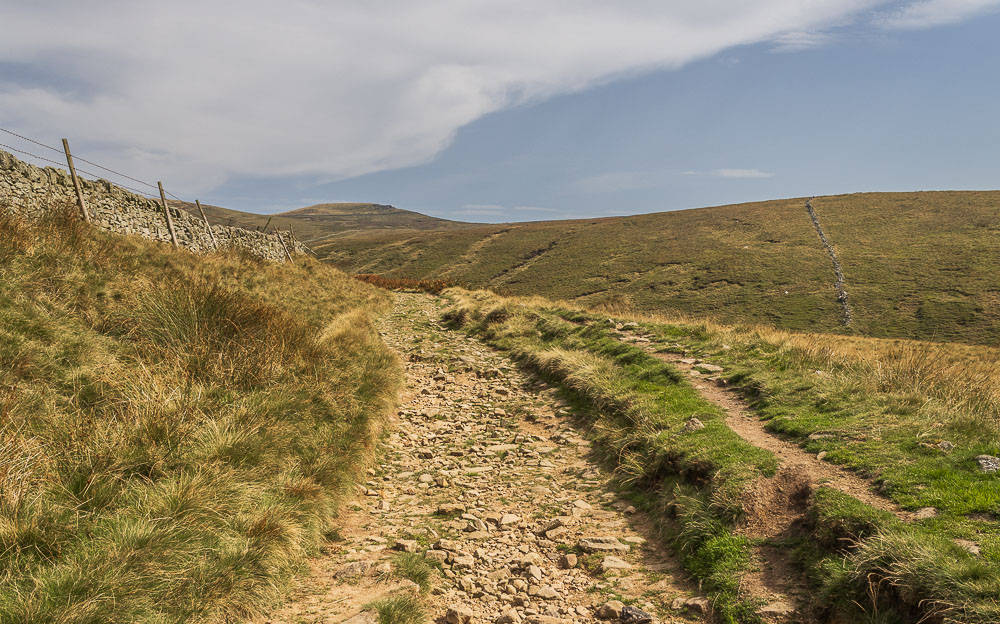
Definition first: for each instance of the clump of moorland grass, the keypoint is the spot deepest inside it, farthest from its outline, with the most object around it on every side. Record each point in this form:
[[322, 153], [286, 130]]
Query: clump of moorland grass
[[176, 430], [415, 567], [399, 609]]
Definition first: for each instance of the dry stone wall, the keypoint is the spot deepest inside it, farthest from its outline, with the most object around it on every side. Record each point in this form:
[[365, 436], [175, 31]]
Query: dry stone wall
[[34, 191]]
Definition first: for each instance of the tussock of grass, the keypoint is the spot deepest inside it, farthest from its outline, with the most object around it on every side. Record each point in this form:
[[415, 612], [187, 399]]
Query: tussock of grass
[[399, 609], [176, 431], [415, 567]]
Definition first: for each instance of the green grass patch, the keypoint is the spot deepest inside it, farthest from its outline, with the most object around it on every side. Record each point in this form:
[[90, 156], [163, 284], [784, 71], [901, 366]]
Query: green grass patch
[[399, 609]]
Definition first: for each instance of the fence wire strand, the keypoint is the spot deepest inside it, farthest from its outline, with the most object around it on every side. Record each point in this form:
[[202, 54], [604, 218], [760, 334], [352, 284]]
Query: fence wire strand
[[19, 151], [54, 149], [83, 171]]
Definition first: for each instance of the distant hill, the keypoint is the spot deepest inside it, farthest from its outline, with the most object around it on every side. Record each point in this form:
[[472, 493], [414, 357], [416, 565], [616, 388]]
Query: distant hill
[[315, 224], [918, 265]]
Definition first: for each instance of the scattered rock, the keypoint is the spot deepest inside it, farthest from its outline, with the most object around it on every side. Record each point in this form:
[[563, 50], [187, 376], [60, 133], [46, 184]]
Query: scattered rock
[[693, 424], [463, 562], [409, 546], [945, 445], [353, 570], [509, 617], [459, 614], [779, 610], [543, 591], [632, 615], [611, 610], [698, 605], [450, 509], [602, 544], [437, 555], [449, 545], [535, 572], [614, 563], [547, 619], [988, 463], [968, 545], [567, 561], [365, 617], [924, 513]]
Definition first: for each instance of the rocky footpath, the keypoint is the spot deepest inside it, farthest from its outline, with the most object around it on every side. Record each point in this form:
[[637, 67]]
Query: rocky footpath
[[486, 476]]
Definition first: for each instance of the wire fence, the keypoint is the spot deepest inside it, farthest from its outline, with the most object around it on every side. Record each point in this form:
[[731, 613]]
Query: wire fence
[[115, 179], [77, 158]]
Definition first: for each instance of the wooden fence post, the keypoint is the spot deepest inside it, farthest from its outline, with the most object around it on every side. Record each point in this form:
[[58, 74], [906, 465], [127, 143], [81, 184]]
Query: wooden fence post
[[215, 243], [283, 246], [166, 211], [76, 182]]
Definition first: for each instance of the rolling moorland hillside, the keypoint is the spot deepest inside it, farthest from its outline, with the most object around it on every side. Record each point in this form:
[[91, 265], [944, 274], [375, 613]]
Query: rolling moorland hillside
[[917, 265], [181, 431], [177, 431], [315, 225]]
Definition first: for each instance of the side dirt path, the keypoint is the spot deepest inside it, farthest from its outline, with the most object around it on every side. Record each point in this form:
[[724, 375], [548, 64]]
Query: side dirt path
[[485, 475], [775, 507]]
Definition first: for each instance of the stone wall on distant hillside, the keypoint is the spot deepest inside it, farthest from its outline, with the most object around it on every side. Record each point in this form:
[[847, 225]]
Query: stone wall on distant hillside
[[33, 191]]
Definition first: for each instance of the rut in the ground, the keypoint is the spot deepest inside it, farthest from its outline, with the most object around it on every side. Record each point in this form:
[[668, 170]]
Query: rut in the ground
[[486, 474], [775, 507]]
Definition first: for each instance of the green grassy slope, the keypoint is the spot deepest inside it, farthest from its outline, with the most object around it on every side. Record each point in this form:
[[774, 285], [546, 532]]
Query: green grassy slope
[[176, 431], [917, 264]]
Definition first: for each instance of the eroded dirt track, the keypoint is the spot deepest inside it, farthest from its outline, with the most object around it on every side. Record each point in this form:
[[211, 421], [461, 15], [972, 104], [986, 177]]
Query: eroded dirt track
[[485, 473], [775, 508]]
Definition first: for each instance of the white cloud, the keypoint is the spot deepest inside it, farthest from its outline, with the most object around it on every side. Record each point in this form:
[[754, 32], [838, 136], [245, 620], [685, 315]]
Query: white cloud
[[801, 40], [197, 91], [930, 13], [742, 173]]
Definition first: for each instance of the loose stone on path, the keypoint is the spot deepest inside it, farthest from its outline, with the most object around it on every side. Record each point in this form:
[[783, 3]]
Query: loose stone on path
[[485, 476]]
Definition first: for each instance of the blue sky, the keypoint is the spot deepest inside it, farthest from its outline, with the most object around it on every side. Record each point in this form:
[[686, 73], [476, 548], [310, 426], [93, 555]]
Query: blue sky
[[631, 116]]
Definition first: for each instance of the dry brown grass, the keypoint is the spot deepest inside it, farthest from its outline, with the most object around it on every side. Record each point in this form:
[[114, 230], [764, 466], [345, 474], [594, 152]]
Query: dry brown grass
[[176, 431]]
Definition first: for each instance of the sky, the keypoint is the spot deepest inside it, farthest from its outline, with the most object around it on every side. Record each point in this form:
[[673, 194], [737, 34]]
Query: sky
[[509, 110]]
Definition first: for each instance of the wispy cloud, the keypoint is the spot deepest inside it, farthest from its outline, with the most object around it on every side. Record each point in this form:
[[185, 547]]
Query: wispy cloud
[[801, 40], [930, 13], [741, 173]]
